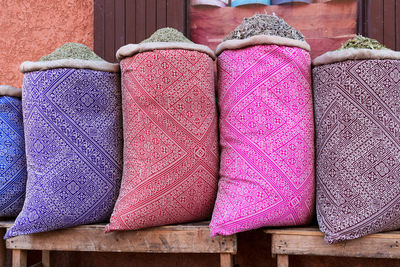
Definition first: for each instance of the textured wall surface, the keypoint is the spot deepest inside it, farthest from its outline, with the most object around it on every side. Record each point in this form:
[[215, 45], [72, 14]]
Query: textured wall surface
[[30, 29]]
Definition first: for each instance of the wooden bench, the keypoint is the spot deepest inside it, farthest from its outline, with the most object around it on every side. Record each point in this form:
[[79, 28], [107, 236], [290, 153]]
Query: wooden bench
[[186, 238], [310, 241]]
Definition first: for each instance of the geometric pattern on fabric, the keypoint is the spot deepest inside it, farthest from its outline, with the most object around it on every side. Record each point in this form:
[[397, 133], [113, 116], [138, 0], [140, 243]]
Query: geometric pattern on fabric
[[73, 133], [266, 139], [12, 157], [357, 107], [170, 171]]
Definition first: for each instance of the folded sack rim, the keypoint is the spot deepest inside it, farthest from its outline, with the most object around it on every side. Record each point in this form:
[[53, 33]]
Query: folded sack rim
[[355, 54], [29, 66], [261, 40], [132, 49], [8, 90]]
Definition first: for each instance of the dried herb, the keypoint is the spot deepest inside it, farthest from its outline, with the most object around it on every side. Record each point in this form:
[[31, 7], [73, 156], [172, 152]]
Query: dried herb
[[73, 51], [264, 24], [167, 35], [360, 41]]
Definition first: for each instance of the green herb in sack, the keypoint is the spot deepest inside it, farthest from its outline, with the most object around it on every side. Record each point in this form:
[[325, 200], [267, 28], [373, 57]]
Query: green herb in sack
[[360, 41], [73, 51], [264, 24], [167, 35]]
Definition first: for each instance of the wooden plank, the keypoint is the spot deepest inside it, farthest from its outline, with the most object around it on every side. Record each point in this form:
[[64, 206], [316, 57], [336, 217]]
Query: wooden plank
[[375, 20], [362, 18], [109, 31], [161, 10], [176, 18], [226, 260], [99, 27], [313, 231], [119, 24], [398, 25], [140, 24], [151, 17], [389, 24], [130, 21], [46, 258], [19, 258], [315, 245], [282, 260], [6, 223], [327, 23], [181, 239]]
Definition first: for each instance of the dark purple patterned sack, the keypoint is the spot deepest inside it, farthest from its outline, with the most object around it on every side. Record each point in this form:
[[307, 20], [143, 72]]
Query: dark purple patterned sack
[[73, 135], [357, 114]]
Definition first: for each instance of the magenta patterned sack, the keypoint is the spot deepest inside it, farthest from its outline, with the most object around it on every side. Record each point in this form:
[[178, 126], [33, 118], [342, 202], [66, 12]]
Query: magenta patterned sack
[[266, 135], [357, 115]]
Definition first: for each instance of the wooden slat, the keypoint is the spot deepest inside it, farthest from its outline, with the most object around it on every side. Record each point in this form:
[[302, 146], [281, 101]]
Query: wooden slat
[[109, 31], [151, 17], [161, 13], [99, 27], [140, 23], [176, 17], [19, 258], [375, 20], [389, 24], [297, 244], [130, 21], [172, 239], [398, 25], [119, 24]]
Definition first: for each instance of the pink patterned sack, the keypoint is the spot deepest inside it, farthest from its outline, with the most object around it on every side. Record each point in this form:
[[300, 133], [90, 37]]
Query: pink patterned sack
[[266, 128], [170, 136]]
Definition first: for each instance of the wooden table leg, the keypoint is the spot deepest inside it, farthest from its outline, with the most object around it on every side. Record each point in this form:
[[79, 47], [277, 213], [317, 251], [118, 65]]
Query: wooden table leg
[[3, 251], [226, 260], [45, 258], [19, 258], [282, 260]]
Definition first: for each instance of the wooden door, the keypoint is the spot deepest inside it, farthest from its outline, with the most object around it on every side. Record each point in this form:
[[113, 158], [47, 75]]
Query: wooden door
[[119, 22]]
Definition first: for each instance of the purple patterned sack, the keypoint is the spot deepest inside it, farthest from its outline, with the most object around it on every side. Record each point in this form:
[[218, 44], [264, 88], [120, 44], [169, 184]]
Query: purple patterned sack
[[73, 138], [357, 114], [12, 152]]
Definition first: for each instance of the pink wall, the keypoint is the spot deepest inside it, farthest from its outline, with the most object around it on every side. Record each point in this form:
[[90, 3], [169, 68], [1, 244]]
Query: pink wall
[[30, 29]]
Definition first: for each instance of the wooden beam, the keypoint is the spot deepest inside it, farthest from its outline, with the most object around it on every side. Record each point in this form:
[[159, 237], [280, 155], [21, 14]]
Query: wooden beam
[[19, 258], [166, 239], [226, 260]]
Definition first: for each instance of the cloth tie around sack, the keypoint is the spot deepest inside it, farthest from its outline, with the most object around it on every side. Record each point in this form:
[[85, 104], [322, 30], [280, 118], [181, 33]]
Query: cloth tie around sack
[[72, 117], [266, 128], [12, 152], [357, 107], [170, 133]]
